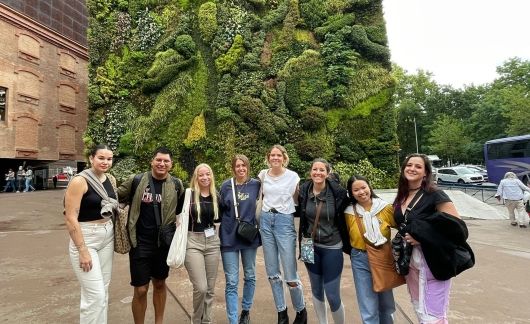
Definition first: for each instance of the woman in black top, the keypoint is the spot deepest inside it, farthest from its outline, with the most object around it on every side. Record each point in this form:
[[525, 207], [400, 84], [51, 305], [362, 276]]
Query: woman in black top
[[91, 236], [430, 297], [202, 249]]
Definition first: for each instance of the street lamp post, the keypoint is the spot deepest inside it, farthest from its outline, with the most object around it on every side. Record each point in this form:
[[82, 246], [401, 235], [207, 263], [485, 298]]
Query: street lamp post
[[416, 135]]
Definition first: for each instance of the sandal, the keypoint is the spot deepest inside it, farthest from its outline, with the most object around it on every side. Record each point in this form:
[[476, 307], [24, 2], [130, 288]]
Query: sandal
[[513, 223]]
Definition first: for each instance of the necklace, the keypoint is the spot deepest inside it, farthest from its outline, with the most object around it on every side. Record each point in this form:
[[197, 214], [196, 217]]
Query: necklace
[[413, 189]]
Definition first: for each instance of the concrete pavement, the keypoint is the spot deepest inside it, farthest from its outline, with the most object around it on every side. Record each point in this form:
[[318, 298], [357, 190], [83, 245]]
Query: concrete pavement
[[38, 284]]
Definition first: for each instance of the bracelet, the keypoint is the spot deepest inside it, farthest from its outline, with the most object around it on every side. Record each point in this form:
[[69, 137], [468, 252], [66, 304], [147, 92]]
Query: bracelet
[[82, 246]]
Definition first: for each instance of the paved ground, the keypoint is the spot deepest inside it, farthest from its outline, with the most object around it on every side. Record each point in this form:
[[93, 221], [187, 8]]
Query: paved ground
[[38, 285]]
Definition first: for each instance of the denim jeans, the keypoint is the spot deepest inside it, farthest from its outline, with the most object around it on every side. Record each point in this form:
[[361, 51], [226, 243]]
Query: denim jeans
[[324, 275], [29, 185], [375, 307], [99, 239], [231, 268], [278, 237]]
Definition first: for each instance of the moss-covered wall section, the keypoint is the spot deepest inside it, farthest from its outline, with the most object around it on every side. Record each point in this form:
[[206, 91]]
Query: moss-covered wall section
[[213, 78]]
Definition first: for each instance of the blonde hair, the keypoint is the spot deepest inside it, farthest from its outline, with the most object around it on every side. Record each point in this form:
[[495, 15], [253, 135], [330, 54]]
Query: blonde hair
[[284, 153], [194, 185]]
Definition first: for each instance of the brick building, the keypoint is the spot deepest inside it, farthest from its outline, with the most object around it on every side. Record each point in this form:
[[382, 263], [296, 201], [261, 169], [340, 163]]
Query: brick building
[[43, 85]]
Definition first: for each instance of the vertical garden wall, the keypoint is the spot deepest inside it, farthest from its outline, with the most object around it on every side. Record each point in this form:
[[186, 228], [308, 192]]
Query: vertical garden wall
[[213, 78]]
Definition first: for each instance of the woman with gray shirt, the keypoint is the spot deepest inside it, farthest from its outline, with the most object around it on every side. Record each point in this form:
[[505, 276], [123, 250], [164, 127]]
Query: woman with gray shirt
[[330, 237]]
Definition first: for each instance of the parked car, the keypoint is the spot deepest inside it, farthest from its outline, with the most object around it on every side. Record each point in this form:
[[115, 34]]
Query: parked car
[[458, 174], [478, 169]]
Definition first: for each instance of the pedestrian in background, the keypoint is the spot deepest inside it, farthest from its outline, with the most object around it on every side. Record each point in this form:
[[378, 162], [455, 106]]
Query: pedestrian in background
[[511, 189], [278, 234], [232, 246], [202, 248], [10, 181], [329, 228], [21, 175], [29, 180], [91, 232]]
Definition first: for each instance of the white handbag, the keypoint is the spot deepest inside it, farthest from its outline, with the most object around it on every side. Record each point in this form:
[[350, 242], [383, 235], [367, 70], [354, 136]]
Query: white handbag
[[177, 250]]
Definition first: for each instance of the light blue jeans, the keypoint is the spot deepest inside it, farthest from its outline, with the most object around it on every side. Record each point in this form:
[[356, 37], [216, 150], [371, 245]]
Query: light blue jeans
[[231, 268], [375, 307], [278, 237]]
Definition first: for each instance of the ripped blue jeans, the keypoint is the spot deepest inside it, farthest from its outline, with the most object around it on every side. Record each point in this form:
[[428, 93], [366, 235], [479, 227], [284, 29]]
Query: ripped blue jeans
[[278, 237]]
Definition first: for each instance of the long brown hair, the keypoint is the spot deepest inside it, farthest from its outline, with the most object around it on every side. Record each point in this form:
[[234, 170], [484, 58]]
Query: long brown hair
[[427, 183]]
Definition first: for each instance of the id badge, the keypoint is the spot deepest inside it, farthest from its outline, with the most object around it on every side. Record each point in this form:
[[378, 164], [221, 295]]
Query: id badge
[[209, 232]]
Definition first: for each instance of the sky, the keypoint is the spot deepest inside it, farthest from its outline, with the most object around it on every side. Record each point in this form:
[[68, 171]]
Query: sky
[[460, 41]]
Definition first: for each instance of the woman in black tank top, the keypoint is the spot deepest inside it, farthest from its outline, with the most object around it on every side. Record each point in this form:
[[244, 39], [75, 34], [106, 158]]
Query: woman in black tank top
[[91, 236]]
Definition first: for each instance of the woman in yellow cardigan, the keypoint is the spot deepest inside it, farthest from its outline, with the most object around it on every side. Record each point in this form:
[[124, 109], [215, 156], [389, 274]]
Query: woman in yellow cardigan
[[377, 218]]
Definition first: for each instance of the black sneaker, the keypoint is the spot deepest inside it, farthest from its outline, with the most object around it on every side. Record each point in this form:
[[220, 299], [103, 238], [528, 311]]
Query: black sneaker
[[301, 317], [513, 223], [245, 317], [522, 226], [283, 317]]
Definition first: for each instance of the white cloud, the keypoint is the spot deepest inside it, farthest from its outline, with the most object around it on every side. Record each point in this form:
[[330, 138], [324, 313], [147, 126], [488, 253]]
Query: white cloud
[[459, 41]]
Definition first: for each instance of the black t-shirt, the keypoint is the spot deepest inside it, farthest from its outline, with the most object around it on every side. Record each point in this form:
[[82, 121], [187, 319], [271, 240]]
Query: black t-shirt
[[146, 228], [426, 205], [207, 215]]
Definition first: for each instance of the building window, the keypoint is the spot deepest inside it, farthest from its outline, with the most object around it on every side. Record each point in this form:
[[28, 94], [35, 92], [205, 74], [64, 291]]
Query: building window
[[3, 106]]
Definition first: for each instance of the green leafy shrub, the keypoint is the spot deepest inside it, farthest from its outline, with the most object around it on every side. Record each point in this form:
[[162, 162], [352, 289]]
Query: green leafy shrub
[[165, 76], [379, 179], [371, 50], [313, 13], [207, 21], [313, 118], [334, 24], [185, 45], [162, 60], [225, 63]]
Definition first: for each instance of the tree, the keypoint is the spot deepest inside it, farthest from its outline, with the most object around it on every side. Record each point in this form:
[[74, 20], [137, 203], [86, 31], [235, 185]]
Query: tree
[[448, 139]]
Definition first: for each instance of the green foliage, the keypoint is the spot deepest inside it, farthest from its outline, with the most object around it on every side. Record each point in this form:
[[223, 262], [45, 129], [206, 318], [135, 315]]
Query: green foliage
[[124, 168], [197, 131], [313, 118], [165, 76], [162, 59], [340, 62], [225, 63], [213, 78], [379, 179], [335, 23], [359, 40], [207, 21], [313, 12], [448, 139], [185, 45]]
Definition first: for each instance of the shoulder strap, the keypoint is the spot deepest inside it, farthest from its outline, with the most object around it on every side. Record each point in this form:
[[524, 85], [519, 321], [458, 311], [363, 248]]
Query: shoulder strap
[[234, 197], [413, 203], [134, 185]]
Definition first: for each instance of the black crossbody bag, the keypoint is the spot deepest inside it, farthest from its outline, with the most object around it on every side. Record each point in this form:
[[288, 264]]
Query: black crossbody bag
[[245, 230], [165, 232], [401, 249]]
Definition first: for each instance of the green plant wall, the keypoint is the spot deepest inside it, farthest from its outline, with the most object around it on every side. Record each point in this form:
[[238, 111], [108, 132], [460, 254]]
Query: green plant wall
[[213, 78]]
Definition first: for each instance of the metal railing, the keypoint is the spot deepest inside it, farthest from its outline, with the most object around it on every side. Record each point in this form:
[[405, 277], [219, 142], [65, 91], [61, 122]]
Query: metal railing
[[479, 191]]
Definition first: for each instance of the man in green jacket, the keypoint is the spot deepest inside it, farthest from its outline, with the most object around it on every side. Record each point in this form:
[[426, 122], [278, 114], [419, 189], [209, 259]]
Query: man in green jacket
[[147, 258]]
